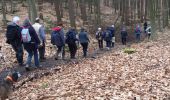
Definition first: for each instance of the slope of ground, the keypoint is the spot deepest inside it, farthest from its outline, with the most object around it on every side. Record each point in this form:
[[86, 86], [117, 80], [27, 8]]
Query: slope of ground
[[114, 75]]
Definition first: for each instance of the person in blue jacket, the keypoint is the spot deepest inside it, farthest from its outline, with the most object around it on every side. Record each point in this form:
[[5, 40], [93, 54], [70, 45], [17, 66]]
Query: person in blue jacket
[[108, 38], [59, 41], [138, 32], [84, 41], [112, 30]]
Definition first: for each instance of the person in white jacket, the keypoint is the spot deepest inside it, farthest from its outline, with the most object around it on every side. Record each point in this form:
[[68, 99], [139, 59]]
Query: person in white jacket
[[40, 30]]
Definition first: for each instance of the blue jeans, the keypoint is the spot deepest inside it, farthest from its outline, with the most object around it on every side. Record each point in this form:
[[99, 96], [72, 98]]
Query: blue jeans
[[29, 58]]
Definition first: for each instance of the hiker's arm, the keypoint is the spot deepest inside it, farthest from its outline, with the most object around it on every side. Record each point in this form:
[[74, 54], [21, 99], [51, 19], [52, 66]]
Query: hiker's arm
[[42, 34]]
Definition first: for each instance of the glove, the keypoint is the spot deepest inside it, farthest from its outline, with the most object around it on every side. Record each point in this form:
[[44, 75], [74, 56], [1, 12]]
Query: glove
[[40, 45]]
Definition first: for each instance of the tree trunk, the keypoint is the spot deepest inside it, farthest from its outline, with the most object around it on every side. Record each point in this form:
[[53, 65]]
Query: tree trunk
[[83, 10], [32, 10], [4, 12], [71, 13], [57, 10]]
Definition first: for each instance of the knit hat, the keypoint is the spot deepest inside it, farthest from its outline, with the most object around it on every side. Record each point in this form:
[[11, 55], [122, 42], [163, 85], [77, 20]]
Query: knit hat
[[26, 22]]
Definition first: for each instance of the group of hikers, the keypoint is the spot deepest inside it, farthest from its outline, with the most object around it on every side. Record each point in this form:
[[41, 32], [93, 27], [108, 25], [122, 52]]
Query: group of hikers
[[32, 38]]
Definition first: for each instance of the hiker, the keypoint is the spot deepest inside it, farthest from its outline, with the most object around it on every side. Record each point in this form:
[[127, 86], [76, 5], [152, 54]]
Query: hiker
[[84, 40], [31, 42], [40, 30], [148, 30], [57, 38], [145, 25], [137, 33], [71, 41], [124, 36], [13, 36], [99, 37], [108, 38], [112, 30]]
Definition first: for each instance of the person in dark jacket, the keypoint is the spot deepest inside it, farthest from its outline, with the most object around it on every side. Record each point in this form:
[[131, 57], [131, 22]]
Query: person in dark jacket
[[84, 40], [124, 36], [108, 38], [112, 30], [71, 41], [13, 36], [99, 37], [59, 41], [145, 26], [32, 46]]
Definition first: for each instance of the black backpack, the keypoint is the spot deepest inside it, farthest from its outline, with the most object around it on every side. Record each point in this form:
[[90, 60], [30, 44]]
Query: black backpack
[[70, 38], [11, 33]]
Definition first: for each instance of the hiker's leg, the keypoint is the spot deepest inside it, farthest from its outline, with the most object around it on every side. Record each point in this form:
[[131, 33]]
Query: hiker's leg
[[99, 42], [59, 48], [17, 50], [42, 52], [71, 50], [74, 50], [149, 35], [125, 40], [85, 49], [40, 49], [63, 52], [36, 60], [29, 58], [122, 40], [19, 54]]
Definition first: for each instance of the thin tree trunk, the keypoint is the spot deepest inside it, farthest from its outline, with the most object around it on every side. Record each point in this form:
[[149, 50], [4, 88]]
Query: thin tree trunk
[[71, 13], [4, 12], [83, 10], [57, 10]]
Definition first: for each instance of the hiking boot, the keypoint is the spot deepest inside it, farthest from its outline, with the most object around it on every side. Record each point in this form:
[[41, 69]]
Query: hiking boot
[[27, 67], [56, 58]]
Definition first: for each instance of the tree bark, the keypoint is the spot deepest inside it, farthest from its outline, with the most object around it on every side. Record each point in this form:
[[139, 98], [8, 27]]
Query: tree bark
[[72, 13], [83, 10], [4, 12]]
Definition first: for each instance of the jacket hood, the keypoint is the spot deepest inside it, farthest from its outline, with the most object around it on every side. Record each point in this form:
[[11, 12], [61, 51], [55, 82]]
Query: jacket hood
[[12, 24], [56, 29]]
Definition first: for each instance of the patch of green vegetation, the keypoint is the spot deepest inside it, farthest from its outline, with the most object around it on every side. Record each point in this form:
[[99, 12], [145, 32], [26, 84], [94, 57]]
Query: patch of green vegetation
[[129, 50], [44, 85]]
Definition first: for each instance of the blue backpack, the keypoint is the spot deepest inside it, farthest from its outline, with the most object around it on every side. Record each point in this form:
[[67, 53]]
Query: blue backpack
[[53, 37]]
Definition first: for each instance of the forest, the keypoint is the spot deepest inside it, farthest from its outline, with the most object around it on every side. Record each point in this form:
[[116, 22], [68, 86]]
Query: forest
[[131, 71]]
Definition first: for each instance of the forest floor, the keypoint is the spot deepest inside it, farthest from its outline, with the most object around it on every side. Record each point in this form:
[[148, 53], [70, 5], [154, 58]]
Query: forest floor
[[111, 75]]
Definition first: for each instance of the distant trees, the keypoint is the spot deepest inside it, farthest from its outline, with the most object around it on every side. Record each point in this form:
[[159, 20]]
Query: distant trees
[[91, 11]]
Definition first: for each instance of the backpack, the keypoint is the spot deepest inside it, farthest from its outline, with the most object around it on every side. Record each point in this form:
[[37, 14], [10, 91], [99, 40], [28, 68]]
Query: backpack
[[53, 37], [70, 38], [11, 33], [107, 36], [137, 30], [26, 38], [99, 36]]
